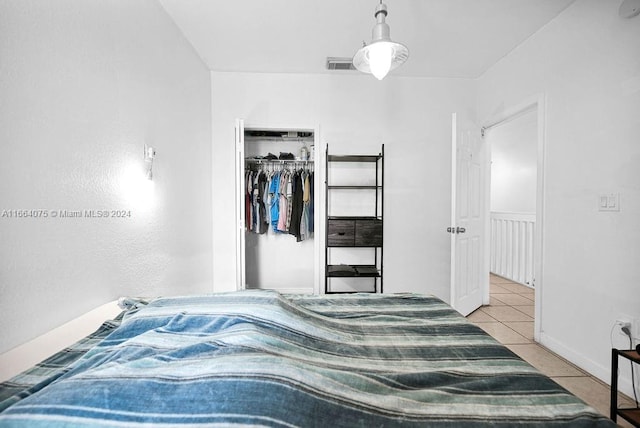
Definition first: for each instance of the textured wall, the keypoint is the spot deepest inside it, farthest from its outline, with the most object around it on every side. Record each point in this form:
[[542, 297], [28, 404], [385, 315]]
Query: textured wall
[[586, 63], [83, 86]]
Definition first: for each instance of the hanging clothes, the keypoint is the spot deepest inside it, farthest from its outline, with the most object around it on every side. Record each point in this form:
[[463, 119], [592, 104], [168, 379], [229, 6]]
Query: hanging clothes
[[255, 209], [296, 206], [262, 224], [274, 195], [284, 205], [289, 195], [304, 221], [311, 199], [279, 201], [248, 203]]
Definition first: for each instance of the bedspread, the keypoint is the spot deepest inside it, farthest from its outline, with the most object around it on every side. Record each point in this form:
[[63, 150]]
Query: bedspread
[[45, 372], [260, 358]]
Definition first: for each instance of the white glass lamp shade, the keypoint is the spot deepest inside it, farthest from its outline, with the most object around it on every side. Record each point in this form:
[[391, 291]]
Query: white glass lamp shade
[[380, 57]]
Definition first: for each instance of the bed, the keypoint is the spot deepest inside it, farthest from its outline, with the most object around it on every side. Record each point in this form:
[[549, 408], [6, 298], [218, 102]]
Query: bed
[[260, 358]]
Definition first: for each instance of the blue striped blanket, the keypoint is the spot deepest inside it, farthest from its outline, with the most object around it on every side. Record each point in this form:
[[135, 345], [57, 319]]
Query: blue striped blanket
[[259, 358]]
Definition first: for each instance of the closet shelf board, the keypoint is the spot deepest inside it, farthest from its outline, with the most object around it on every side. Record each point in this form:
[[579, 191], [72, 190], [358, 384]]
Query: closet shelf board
[[351, 217], [349, 271], [353, 158], [355, 187]]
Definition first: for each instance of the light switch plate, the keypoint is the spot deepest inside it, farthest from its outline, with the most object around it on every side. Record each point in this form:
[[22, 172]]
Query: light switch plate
[[609, 202]]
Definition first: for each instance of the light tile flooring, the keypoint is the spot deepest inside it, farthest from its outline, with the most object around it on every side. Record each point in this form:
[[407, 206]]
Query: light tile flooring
[[509, 319]]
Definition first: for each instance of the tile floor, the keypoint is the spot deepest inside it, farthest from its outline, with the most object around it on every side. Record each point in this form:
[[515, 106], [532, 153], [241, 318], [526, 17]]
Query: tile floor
[[509, 319]]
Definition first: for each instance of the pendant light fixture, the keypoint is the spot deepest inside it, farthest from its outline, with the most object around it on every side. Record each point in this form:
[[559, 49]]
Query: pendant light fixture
[[381, 55]]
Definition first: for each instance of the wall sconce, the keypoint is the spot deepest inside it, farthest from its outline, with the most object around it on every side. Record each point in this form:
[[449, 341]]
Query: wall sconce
[[149, 155]]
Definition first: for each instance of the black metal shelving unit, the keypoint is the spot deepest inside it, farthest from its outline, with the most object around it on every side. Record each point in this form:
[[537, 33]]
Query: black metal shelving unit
[[631, 414], [356, 231]]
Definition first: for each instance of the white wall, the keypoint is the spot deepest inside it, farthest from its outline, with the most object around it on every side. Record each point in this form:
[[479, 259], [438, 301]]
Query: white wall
[[514, 147], [586, 63], [356, 113], [83, 86]]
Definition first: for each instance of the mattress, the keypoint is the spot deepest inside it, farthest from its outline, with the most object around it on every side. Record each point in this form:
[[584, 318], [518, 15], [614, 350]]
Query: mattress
[[260, 358]]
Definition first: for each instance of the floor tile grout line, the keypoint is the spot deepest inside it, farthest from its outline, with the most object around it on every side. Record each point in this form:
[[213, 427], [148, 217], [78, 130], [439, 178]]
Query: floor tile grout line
[[516, 308], [531, 296], [525, 337], [536, 343]]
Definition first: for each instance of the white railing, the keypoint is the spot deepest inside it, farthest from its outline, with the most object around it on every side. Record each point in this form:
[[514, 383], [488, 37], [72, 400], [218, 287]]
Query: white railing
[[512, 246]]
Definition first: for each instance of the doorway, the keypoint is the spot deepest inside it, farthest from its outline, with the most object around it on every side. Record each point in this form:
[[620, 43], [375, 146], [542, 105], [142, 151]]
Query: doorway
[[516, 196], [270, 254]]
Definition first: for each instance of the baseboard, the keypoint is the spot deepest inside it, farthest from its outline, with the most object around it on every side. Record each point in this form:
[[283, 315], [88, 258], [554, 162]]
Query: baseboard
[[289, 290], [296, 290], [25, 356], [597, 370]]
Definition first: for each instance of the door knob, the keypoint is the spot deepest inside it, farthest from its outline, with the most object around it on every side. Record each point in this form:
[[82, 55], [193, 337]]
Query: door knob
[[456, 229]]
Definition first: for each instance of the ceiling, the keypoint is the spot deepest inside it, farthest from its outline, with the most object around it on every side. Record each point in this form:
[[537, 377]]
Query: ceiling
[[446, 38]]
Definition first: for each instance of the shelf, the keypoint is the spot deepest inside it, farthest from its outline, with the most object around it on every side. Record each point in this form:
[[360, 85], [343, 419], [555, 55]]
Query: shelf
[[284, 135], [276, 161], [349, 292], [631, 355], [353, 158], [352, 271], [344, 232], [631, 415], [355, 187], [354, 246], [354, 217]]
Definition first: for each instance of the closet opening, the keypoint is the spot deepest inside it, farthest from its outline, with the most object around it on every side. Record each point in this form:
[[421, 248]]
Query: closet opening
[[278, 209]]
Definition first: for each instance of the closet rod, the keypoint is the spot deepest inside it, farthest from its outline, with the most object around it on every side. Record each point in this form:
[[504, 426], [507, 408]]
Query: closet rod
[[506, 119]]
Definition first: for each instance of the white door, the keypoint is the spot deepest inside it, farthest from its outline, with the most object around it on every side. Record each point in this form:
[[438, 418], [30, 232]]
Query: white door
[[469, 271], [240, 206]]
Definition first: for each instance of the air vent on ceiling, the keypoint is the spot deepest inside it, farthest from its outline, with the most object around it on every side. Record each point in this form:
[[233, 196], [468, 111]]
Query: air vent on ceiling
[[334, 63]]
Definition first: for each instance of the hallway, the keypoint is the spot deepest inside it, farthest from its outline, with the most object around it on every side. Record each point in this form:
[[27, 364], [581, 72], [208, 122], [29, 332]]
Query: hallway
[[509, 319]]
